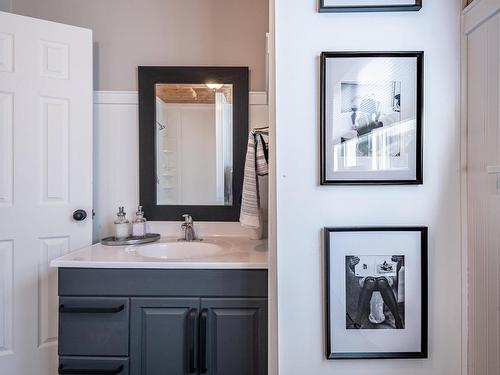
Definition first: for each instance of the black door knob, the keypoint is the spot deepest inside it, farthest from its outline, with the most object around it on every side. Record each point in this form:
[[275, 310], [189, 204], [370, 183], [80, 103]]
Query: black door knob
[[79, 215]]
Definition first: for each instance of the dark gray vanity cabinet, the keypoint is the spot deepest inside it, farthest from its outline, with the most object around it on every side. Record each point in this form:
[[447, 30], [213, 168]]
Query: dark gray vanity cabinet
[[168, 322]]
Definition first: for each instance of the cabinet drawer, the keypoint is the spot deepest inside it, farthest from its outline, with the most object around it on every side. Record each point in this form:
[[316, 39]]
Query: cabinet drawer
[[89, 365], [93, 326], [162, 283]]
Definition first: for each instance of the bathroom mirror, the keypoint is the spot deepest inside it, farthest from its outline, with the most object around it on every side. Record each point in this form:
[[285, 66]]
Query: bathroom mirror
[[193, 130], [194, 144]]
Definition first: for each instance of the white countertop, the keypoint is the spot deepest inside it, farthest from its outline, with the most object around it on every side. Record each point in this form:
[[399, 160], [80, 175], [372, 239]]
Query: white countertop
[[238, 253]]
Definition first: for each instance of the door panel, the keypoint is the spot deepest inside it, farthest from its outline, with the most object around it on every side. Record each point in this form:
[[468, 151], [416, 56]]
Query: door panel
[[45, 174], [236, 334], [164, 336]]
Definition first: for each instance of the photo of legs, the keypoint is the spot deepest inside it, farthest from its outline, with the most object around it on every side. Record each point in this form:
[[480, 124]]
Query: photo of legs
[[375, 292]]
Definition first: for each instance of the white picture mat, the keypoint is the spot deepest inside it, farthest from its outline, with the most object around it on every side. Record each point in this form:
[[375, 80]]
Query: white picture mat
[[363, 70], [354, 3], [405, 243]]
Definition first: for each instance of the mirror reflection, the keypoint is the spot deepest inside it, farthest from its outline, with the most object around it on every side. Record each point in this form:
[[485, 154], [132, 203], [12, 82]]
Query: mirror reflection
[[194, 144]]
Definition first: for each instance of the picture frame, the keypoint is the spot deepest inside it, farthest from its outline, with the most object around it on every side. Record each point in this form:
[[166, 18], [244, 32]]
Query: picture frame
[[376, 297], [371, 111], [336, 6]]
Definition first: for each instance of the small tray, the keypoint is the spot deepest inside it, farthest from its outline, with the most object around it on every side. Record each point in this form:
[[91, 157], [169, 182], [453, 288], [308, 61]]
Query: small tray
[[150, 237]]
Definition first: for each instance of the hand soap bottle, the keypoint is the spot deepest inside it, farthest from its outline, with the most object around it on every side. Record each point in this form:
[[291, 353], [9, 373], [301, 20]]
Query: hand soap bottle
[[139, 224], [122, 230]]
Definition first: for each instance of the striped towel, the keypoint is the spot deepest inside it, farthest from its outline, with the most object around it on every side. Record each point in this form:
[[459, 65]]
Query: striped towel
[[262, 153], [256, 164]]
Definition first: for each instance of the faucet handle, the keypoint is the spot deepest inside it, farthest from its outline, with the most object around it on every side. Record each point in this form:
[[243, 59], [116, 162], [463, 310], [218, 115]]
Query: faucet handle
[[188, 220]]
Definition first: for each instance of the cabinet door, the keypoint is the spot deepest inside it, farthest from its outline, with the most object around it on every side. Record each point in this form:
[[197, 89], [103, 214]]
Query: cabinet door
[[163, 336], [233, 336]]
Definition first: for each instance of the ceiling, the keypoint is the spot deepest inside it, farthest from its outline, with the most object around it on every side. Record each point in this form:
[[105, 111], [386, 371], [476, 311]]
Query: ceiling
[[191, 93]]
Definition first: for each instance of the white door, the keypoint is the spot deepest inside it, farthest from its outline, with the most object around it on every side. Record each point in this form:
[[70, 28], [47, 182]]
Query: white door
[[45, 175]]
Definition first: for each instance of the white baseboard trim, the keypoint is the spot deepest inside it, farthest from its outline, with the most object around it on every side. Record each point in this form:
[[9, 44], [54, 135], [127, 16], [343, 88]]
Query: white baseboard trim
[[131, 97]]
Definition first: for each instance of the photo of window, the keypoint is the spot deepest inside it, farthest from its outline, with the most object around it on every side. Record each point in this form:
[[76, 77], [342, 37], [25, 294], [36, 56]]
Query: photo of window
[[371, 118], [371, 107]]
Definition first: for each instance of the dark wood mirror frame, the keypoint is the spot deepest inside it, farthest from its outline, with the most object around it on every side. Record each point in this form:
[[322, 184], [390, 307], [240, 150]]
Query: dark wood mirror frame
[[149, 76]]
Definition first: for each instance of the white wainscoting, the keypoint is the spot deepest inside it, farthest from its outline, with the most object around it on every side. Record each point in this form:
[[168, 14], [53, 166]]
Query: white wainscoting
[[481, 196], [116, 154]]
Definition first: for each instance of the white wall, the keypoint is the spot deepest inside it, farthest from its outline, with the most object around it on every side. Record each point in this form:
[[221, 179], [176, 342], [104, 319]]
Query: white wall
[[304, 207], [116, 154], [194, 154], [198, 155]]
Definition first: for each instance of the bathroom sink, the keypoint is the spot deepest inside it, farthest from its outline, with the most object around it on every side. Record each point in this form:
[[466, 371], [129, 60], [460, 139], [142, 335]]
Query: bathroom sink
[[182, 250]]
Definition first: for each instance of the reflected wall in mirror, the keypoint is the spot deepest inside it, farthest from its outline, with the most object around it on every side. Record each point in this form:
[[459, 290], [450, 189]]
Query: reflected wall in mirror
[[194, 143], [193, 131]]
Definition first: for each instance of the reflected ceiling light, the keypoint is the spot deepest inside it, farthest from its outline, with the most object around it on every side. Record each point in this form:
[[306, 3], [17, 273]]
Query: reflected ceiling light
[[214, 86]]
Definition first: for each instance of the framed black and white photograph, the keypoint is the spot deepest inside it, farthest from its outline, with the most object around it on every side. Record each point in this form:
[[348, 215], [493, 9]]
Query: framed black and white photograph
[[371, 117], [376, 292], [369, 5]]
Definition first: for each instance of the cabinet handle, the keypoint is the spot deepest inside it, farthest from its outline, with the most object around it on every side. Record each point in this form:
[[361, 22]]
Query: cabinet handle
[[191, 340], [96, 371], [203, 341], [90, 310]]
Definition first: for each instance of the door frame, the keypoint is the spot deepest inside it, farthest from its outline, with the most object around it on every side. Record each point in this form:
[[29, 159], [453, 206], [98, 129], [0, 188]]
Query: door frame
[[463, 195], [272, 272]]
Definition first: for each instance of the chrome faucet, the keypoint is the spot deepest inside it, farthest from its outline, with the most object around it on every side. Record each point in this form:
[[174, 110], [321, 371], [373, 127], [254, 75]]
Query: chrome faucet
[[188, 228]]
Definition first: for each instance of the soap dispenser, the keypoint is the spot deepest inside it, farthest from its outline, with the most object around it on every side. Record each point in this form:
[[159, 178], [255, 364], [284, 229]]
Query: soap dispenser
[[122, 230], [139, 224]]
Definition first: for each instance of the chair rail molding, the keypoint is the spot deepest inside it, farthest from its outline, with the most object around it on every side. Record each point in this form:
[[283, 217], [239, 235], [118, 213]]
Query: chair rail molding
[[131, 97]]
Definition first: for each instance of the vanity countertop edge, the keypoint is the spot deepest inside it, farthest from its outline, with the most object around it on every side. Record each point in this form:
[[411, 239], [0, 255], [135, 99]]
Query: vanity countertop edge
[[240, 253]]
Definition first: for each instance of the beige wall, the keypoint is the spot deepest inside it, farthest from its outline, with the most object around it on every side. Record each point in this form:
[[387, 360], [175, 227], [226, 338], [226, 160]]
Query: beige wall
[[5, 5], [128, 33]]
